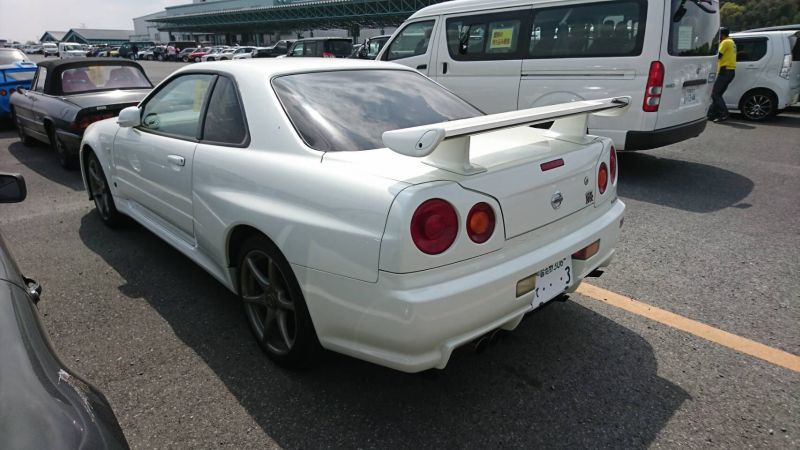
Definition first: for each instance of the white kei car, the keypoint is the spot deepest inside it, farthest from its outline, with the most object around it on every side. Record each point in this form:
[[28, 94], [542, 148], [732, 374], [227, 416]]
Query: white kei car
[[360, 206]]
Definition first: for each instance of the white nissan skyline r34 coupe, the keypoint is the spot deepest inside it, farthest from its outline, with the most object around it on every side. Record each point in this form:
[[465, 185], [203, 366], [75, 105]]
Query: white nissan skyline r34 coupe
[[360, 206]]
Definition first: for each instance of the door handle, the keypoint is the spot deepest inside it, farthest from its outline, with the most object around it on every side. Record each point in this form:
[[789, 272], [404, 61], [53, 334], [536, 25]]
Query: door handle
[[422, 67], [177, 160], [444, 68]]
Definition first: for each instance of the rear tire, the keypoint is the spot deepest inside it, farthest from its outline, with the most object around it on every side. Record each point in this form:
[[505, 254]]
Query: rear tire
[[274, 304], [65, 158], [759, 105], [101, 193]]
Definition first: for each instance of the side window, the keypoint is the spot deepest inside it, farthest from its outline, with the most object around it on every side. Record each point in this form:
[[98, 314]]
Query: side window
[[589, 30], [412, 41], [224, 120], [175, 109], [41, 76], [484, 37], [311, 49], [297, 50], [750, 49]]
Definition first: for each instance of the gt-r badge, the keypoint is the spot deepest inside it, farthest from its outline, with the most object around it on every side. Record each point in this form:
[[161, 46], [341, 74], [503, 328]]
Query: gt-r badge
[[556, 199], [589, 197]]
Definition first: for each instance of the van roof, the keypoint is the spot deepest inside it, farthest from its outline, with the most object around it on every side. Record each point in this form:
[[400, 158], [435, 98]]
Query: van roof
[[456, 6], [786, 33]]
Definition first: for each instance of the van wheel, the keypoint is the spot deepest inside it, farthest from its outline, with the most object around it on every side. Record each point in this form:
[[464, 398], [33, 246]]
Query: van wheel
[[274, 304], [759, 105]]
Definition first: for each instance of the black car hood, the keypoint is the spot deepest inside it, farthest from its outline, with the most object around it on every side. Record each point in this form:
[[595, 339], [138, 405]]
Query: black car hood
[[107, 98], [42, 403]]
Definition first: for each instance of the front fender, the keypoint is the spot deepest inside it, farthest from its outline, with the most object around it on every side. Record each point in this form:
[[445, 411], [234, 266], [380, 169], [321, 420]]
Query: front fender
[[99, 139]]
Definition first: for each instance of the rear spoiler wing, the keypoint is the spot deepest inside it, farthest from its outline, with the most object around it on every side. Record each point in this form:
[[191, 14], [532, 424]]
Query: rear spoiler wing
[[446, 145]]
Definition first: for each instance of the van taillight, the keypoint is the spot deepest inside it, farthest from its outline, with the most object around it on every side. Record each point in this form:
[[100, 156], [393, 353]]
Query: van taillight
[[655, 86], [434, 226], [328, 55], [786, 68]]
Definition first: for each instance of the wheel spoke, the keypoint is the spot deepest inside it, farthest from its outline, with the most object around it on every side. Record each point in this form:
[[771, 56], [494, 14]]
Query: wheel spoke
[[283, 301], [269, 320], [95, 176], [257, 275], [283, 326], [260, 299]]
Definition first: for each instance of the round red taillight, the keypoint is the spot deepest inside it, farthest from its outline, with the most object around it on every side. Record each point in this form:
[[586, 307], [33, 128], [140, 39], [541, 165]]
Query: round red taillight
[[613, 165], [434, 226], [480, 223], [602, 178]]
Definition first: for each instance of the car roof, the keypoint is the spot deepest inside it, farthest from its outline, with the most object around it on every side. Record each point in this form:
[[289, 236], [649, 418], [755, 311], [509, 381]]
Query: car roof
[[324, 39], [767, 33], [271, 67]]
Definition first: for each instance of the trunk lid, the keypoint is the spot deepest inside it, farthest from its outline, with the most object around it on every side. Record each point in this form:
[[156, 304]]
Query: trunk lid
[[124, 97], [513, 174]]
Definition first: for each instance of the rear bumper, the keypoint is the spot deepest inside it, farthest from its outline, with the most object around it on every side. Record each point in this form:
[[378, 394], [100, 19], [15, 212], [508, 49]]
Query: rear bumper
[[643, 140], [413, 322]]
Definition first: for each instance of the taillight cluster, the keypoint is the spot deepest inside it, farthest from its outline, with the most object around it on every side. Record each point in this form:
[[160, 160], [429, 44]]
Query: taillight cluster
[[607, 173], [435, 225], [83, 122], [655, 86], [328, 55], [3, 92]]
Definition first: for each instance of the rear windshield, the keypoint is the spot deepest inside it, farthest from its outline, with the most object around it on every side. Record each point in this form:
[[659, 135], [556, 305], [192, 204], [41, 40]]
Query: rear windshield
[[98, 78], [694, 27], [10, 56], [350, 110], [339, 48], [795, 49], [26, 75]]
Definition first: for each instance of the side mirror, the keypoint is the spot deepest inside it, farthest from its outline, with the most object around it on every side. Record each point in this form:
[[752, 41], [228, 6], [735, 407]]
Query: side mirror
[[130, 117], [22, 91], [12, 188]]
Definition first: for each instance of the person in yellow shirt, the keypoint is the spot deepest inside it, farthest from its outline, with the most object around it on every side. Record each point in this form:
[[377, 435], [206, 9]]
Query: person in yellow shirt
[[726, 70]]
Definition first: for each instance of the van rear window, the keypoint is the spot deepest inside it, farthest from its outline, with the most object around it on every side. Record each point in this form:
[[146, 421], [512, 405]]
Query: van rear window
[[694, 26], [589, 30]]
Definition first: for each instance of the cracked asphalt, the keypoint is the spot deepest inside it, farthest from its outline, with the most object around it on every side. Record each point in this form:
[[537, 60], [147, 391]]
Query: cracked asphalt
[[712, 233]]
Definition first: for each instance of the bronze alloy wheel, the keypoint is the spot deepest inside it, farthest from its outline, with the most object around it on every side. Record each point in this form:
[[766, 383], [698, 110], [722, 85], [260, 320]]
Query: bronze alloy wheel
[[274, 304]]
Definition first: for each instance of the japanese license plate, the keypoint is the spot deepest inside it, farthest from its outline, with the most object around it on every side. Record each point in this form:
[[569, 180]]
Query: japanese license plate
[[552, 280], [690, 96]]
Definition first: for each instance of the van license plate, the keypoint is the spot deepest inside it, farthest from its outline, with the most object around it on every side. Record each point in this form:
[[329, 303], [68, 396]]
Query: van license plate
[[552, 280], [690, 96]]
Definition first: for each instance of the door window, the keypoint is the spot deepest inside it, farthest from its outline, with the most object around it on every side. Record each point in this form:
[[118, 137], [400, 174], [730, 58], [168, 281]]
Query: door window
[[175, 109], [483, 37], [224, 119], [589, 30], [297, 50], [750, 49], [311, 49], [40, 78], [412, 41]]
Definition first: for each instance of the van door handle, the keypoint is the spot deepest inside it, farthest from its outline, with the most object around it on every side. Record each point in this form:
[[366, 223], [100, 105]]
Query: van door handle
[[444, 68], [422, 67], [177, 160]]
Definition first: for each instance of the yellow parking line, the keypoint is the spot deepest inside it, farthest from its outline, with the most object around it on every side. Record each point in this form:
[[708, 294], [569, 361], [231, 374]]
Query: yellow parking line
[[709, 333]]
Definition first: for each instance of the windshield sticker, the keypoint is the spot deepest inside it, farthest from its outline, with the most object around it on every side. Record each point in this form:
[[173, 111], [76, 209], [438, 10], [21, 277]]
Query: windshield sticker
[[685, 37]]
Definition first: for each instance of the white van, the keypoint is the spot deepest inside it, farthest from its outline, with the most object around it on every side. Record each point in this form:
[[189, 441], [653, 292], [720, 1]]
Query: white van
[[70, 50], [48, 49], [767, 76], [516, 54]]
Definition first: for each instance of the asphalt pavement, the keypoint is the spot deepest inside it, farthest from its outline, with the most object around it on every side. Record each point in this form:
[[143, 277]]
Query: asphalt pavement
[[711, 233]]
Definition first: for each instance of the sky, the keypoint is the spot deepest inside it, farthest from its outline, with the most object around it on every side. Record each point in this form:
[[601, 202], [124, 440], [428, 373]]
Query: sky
[[23, 20]]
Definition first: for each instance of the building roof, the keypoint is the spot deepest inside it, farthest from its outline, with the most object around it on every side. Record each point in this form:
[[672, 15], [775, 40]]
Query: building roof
[[55, 35], [89, 34]]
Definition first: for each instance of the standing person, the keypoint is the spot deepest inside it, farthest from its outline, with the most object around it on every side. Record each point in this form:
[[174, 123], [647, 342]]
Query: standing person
[[170, 53], [135, 51], [726, 70]]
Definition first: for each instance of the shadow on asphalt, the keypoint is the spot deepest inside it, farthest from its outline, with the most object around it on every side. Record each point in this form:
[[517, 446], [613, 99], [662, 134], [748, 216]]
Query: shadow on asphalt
[[567, 377], [787, 119], [41, 159], [684, 185]]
